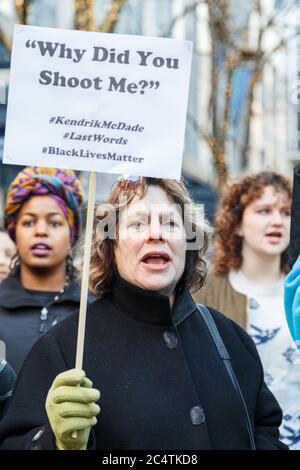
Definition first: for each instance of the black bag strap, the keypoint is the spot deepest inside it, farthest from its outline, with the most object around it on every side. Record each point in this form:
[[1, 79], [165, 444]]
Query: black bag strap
[[212, 327]]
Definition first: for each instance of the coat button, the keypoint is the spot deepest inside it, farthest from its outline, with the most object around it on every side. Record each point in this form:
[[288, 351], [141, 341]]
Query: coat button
[[170, 339], [197, 415]]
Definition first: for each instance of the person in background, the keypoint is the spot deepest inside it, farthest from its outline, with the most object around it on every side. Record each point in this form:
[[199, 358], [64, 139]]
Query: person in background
[[7, 251], [42, 216], [247, 280], [7, 374], [148, 348]]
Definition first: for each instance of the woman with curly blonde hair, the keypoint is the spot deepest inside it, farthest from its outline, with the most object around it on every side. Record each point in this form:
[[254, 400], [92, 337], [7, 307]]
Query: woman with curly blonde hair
[[246, 283], [148, 348]]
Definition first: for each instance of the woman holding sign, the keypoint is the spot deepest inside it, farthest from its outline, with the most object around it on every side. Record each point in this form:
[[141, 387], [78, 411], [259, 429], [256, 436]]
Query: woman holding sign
[[42, 216], [157, 359]]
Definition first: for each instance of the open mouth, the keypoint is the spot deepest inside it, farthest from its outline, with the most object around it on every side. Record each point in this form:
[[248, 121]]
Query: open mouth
[[40, 249], [274, 236], [156, 259]]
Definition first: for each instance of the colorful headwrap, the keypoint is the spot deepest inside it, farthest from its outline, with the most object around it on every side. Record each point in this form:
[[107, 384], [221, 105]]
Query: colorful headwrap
[[62, 185]]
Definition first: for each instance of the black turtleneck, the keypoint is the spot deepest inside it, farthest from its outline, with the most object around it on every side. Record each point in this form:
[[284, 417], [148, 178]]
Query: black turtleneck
[[150, 306]]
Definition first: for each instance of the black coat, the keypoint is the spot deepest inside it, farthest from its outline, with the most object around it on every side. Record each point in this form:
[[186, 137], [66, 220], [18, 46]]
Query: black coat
[[294, 247], [162, 382], [20, 311]]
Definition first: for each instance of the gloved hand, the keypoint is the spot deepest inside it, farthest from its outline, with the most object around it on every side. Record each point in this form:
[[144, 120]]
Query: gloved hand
[[70, 406]]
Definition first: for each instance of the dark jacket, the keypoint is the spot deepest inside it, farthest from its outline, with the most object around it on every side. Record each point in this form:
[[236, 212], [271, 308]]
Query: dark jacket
[[294, 247], [162, 382], [7, 380], [20, 311]]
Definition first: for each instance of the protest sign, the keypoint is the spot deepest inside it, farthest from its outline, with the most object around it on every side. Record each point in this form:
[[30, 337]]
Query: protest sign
[[98, 102]]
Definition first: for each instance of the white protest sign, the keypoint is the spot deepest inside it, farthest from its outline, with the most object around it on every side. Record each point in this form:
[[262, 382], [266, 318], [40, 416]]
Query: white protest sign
[[97, 102]]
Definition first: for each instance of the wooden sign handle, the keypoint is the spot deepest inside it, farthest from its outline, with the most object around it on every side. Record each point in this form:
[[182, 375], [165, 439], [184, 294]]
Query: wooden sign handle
[[85, 274]]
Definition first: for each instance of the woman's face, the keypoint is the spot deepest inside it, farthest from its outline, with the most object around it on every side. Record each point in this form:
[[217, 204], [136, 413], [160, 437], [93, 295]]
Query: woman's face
[[150, 250], [265, 226], [42, 234], [7, 251]]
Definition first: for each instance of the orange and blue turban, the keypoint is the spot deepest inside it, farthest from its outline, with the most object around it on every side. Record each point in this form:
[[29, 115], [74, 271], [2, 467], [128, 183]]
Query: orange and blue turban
[[62, 185]]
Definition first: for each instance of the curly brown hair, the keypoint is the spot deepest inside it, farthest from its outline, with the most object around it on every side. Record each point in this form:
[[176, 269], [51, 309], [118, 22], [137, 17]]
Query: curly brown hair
[[238, 195], [102, 267]]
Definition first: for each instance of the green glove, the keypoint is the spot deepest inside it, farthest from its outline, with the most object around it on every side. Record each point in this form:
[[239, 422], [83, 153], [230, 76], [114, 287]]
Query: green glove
[[70, 406]]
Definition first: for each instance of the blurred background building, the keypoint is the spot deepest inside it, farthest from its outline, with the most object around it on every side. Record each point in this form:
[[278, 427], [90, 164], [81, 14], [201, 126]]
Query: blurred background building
[[244, 102]]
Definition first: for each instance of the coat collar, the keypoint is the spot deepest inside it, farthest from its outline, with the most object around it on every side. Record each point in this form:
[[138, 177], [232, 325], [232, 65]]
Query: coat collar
[[151, 307], [13, 295]]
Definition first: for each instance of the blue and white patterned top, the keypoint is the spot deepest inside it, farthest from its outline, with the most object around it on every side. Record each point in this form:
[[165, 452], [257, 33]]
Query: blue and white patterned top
[[280, 358]]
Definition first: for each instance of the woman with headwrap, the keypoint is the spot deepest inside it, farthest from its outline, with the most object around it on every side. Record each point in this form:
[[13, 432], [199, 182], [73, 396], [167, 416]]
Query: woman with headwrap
[[42, 216]]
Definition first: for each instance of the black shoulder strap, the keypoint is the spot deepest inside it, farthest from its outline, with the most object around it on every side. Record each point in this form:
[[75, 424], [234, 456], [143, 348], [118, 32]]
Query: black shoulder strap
[[212, 327]]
